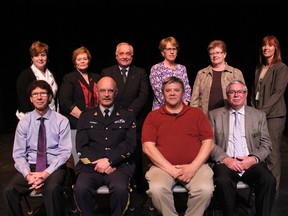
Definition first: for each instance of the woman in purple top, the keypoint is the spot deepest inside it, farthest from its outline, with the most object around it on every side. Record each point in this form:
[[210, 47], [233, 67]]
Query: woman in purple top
[[169, 48]]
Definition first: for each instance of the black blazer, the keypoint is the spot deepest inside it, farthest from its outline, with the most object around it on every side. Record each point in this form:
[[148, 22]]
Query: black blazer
[[114, 139], [23, 81], [134, 94], [71, 94]]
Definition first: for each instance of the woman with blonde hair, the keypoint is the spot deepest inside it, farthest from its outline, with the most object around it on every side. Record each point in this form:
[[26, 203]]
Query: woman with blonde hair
[[37, 71]]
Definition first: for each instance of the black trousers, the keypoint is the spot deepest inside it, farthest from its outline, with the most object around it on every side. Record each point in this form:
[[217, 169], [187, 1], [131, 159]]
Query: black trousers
[[52, 193], [88, 182], [257, 176]]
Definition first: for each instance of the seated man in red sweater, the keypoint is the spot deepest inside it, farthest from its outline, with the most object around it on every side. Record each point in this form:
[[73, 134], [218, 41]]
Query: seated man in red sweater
[[178, 140]]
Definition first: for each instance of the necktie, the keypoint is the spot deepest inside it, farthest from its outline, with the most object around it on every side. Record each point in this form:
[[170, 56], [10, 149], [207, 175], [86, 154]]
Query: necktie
[[41, 148], [123, 71], [106, 113], [237, 138]]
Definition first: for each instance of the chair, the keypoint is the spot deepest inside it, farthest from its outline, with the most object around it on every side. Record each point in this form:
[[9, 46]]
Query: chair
[[103, 190], [40, 207], [246, 200], [211, 210], [70, 205], [177, 189], [31, 210]]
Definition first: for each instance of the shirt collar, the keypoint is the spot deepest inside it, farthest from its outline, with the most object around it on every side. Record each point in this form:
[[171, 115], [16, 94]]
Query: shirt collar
[[110, 109], [241, 111], [127, 68], [46, 115]]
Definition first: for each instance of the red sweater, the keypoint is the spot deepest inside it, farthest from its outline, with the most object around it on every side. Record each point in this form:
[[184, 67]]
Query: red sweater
[[177, 137]]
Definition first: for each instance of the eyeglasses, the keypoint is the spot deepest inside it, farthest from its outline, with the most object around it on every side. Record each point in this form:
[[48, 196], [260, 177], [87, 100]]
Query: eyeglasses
[[42, 94], [215, 53], [171, 49], [238, 92]]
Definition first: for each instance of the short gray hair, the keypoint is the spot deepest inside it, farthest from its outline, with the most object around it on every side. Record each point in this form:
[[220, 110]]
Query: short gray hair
[[236, 82]]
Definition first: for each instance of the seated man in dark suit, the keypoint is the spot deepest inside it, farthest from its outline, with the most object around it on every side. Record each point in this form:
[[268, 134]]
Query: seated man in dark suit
[[241, 158], [105, 145]]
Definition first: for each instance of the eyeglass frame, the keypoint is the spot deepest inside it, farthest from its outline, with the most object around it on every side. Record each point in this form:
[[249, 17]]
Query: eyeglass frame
[[238, 92], [42, 94]]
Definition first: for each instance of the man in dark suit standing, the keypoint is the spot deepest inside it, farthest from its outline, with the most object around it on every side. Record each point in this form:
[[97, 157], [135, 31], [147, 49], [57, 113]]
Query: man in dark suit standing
[[133, 93], [105, 140], [246, 160]]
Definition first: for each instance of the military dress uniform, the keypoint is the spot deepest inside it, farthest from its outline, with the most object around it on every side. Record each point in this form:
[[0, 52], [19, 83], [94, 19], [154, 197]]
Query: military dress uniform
[[114, 139]]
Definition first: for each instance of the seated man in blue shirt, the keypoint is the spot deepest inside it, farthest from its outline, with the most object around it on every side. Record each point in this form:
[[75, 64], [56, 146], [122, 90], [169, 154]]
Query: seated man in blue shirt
[[57, 139]]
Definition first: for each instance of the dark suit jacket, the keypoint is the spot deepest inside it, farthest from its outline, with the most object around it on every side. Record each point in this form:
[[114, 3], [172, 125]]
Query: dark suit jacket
[[71, 94], [256, 132], [272, 90], [134, 94], [23, 81], [114, 139]]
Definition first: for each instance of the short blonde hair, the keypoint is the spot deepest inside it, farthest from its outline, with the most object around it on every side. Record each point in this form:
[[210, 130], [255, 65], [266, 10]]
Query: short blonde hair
[[163, 43]]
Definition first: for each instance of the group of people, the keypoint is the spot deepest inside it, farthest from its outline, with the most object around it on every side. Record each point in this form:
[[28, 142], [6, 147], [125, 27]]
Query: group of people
[[95, 126], [82, 92]]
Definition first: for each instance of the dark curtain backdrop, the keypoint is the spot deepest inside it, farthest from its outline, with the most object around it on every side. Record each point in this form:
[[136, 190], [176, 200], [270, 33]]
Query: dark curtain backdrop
[[101, 25]]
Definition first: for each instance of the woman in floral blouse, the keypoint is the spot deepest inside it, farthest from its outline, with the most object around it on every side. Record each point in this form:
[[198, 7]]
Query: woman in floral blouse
[[169, 49]]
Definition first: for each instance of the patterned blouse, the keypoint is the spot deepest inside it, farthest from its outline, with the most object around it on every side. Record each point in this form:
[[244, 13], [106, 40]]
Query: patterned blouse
[[158, 73]]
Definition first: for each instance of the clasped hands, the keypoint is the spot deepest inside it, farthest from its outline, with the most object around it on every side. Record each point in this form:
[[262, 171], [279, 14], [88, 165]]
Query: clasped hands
[[102, 165], [36, 179], [239, 164], [183, 172]]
